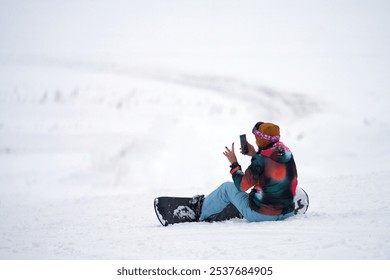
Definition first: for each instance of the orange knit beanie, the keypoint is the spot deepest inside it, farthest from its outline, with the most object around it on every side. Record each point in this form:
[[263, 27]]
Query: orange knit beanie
[[266, 133]]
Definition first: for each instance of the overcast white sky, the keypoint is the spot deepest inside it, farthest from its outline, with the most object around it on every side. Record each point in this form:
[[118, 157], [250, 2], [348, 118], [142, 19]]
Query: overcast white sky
[[303, 45], [222, 26]]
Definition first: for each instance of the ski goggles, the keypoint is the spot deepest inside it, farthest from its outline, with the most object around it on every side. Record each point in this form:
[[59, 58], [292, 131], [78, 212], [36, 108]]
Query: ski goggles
[[261, 135]]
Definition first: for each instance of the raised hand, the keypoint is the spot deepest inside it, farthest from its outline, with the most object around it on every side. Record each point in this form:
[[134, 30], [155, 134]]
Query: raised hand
[[230, 154]]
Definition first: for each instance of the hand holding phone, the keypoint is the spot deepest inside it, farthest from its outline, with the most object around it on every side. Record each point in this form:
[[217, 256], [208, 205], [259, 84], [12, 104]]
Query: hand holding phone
[[244, 144]]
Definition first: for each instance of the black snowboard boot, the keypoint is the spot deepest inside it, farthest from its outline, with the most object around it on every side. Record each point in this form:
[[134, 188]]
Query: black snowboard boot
[[196, 205], [230, 212]]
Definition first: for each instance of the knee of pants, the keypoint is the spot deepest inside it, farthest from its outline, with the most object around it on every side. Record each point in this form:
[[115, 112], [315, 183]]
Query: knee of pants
[[227, 184], [224, 189]]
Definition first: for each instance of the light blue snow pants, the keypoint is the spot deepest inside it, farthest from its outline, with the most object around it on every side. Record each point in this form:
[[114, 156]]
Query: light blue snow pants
[[227, 193]]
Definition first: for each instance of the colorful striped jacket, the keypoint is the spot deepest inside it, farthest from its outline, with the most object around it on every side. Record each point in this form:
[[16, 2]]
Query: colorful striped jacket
[[273, 176]]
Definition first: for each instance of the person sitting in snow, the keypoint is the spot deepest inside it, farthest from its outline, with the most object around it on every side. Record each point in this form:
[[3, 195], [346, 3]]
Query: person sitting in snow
[[271, 176]]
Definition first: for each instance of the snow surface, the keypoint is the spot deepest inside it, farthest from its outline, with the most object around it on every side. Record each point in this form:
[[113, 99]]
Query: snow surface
[[105, 105]]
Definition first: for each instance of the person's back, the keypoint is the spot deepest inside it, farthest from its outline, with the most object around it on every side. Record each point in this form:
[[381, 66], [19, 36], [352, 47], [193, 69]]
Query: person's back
[[275, 177]]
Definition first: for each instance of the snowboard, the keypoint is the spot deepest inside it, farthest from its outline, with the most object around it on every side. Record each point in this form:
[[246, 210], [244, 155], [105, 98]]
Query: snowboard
[[301, 201], [174, 210]]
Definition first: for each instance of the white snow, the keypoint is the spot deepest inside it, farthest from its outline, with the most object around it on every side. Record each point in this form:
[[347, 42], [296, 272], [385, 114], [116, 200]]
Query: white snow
[[184, 212], [105, 105]]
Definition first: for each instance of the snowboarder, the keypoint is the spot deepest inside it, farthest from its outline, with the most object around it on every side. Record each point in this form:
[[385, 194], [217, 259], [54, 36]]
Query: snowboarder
[[272, 175]]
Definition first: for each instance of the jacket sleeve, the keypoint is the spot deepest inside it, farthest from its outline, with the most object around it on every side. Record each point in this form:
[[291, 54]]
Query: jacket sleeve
[[245, 180]]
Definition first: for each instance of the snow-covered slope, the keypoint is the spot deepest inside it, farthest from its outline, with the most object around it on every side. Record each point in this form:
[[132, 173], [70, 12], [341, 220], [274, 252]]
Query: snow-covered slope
[[99, 117]]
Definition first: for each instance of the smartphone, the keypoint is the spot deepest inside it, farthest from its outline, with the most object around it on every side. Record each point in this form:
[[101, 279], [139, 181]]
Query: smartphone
[[244, 146]]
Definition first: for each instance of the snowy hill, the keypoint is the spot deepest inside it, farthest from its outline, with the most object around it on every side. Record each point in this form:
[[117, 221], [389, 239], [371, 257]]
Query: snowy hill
[[99, 117]]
